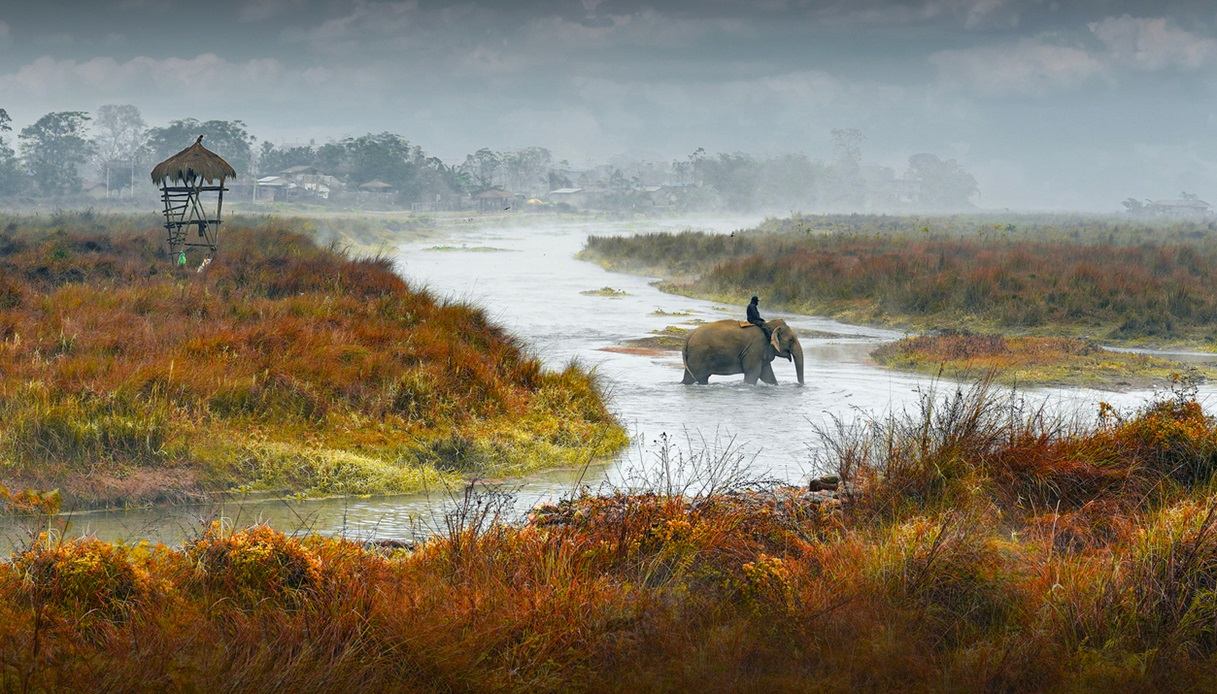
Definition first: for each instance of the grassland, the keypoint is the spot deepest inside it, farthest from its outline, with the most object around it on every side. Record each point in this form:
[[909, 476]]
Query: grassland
[[975, 544], [1107, 279], [283, 366], [1029, 360]]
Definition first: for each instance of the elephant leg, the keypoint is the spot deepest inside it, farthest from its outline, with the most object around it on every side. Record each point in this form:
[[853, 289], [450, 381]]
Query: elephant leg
[[688, 380], [751, 376], [767, 374]]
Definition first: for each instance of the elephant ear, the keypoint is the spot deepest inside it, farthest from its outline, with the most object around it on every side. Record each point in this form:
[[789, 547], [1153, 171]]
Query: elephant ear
[[773, 339]]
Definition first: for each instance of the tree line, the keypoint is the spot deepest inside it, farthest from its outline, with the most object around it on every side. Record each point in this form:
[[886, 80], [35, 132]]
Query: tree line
[[49, 158]]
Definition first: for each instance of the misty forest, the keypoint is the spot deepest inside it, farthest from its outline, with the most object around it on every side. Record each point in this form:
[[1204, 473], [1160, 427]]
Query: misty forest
[[608, 345]]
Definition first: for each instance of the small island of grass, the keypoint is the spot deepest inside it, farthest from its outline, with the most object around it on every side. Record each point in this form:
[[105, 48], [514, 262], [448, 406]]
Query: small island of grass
[[608, 292], [1028, 360]]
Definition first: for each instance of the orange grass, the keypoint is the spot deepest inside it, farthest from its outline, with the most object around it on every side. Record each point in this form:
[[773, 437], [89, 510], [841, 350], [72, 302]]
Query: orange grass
[[1026, 359], [283, 365], [985, 547]]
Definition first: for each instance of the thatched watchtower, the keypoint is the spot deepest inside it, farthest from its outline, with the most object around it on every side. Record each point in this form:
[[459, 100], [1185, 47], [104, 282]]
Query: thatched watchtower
[[192, 188]]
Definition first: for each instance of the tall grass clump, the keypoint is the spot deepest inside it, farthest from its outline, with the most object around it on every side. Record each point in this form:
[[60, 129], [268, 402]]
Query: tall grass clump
[[283, 365]]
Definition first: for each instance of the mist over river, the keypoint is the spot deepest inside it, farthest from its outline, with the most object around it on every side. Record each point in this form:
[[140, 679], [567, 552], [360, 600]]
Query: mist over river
[[528, 279]]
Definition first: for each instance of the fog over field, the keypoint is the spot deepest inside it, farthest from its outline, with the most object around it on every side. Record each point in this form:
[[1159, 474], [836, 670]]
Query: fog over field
[[1051, 105]]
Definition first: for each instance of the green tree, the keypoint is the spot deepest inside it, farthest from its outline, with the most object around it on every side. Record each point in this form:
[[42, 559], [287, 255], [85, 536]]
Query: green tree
[[272, 160], [54, 149], [385, 157], [11, 179], [454, 178], [227, 138]]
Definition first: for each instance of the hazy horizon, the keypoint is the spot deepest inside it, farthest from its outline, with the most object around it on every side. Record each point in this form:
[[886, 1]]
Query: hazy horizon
[[1050, 105]]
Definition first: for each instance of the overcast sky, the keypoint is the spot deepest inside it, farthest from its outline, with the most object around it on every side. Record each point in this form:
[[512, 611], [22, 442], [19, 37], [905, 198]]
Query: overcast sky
[[1052, 105]]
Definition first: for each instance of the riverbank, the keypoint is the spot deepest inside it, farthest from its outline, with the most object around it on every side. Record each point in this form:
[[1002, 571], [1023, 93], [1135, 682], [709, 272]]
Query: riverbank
[[283, 366], [971, 544], [1046, 288], [1110, 280], [1032, 361]]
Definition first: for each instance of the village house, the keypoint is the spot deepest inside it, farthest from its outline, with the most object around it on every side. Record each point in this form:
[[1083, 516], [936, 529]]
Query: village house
[[273, 189], [377, 187], [1182, 208], [311, 182], [493, 200]]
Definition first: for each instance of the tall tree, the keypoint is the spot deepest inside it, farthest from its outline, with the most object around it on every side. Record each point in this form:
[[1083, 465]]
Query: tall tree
[[483, 167], [119, 133], [943, 185], [845, 185], [272, 160], [385, 157], [526, 168], [11, 179], [54, 149], [227, 138]]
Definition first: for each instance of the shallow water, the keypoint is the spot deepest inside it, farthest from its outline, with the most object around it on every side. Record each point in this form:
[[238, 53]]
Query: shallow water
[[529, 281]]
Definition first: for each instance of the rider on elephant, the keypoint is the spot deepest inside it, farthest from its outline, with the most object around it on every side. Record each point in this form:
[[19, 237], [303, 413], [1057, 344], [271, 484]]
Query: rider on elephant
[[754, 316]]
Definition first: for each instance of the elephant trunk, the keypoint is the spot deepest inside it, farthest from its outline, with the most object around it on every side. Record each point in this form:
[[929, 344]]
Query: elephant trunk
[[796, 350]]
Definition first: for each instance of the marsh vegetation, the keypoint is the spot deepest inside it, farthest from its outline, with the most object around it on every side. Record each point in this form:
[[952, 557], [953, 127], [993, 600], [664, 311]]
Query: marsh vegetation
[[973, 542], [1111, 279], [1054, 285], [283, 366]]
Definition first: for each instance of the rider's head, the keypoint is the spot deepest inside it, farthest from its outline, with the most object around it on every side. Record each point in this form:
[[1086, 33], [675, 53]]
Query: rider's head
[[755, 300]]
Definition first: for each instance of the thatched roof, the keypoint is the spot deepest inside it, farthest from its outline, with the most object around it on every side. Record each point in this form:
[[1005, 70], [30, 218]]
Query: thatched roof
[[196, 161]]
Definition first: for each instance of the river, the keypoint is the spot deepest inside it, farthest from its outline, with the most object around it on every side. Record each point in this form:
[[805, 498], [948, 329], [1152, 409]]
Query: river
[[528, 279]]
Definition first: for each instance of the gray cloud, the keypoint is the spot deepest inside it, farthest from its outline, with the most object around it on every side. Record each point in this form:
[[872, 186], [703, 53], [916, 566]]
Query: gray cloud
[[1030, 94], [1153, 43]]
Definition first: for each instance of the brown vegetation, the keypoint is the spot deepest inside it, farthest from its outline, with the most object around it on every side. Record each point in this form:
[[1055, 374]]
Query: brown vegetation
[[282, 365], [983, 546], [1029, 360], [1111, 279]]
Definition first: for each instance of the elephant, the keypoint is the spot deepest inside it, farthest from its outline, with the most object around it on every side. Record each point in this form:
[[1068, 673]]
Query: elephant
[[726, 347]]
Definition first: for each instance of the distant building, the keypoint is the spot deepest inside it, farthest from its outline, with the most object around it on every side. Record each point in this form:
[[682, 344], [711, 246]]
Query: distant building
[[377, 186], [1182, 208], [581, 198], [310, 182], [575, 197], [666, 195], [273, 189], [493, 200]]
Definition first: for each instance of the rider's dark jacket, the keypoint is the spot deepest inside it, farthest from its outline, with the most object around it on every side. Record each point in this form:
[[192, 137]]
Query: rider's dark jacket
[[754, 315]]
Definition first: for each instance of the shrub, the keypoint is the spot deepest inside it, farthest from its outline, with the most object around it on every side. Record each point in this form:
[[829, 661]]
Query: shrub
[[254, 565], [81, 577]]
